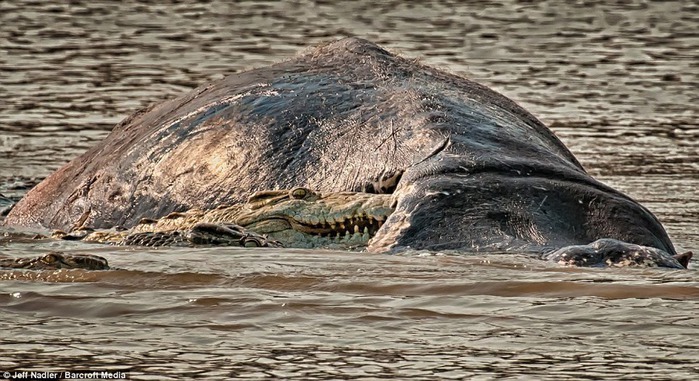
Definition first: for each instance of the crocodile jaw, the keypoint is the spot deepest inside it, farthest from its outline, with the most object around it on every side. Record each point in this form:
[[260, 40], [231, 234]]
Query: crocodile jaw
[[338, 220], [354, 233]]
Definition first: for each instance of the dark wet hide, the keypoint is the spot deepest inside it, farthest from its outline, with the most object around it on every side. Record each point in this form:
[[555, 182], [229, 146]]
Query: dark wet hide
[[609, 252]]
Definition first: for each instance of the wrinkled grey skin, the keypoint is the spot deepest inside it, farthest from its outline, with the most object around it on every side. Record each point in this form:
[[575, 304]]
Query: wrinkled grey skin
[[479, 173]]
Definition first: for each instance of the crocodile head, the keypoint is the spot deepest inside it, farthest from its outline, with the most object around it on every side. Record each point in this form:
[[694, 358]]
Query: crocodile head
[[301, 217], [55, 261]]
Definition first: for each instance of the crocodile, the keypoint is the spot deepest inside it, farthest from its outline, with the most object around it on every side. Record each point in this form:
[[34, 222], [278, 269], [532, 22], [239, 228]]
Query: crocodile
[[298, 217], [466, 168]]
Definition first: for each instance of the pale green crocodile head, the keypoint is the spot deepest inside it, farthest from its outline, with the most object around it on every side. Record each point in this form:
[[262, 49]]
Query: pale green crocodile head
[[303, 218]]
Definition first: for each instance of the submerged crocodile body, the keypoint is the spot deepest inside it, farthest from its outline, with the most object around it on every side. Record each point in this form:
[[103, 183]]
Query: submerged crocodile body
[[466, 168]]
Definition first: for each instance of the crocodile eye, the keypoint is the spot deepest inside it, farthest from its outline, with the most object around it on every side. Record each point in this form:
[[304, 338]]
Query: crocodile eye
[[50, 258], [298, 193]]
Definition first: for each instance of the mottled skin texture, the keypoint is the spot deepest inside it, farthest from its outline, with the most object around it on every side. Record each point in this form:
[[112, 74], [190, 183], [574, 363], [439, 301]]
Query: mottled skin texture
[[468, 169]]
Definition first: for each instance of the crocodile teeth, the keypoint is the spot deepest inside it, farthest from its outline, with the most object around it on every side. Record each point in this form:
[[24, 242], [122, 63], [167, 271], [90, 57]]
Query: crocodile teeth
[[356, 228], [366, 230]]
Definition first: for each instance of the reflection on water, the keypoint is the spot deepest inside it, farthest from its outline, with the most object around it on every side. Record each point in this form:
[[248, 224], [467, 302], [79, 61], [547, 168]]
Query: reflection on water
[[616, 83]]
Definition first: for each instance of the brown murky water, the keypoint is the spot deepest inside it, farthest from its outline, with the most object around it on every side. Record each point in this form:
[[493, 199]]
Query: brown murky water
[[618, 84]]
